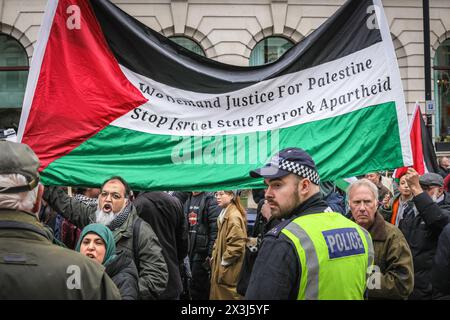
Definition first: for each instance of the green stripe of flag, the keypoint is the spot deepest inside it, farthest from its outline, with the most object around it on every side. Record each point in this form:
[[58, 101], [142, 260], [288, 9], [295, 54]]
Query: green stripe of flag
[[343, 146]]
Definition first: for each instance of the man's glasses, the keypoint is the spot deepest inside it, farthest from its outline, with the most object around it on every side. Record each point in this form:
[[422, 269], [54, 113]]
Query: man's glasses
[[114, 195]]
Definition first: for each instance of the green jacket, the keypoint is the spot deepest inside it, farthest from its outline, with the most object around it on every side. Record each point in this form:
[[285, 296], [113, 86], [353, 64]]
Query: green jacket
[[153, 274], [31, 267], [394, 259]]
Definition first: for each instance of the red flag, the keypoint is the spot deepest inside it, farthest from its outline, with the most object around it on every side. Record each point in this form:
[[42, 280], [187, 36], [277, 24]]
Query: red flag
[[424, 156], [80, 87]]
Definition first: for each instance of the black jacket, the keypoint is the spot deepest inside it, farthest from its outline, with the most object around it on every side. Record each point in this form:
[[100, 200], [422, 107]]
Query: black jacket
[[422, 233], [445, 203], [203, 234], [164, 214], [262, 226], [443, 172], [277, 271], [441, 267], [124, 274]]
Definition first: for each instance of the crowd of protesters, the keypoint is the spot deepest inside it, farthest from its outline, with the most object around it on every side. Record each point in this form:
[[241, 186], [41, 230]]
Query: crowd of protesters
[[202, 245]]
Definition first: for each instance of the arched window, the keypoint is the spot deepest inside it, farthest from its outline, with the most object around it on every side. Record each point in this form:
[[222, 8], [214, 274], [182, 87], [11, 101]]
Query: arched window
[[188, 44], [442, 91], [13, 79], [269, 50]]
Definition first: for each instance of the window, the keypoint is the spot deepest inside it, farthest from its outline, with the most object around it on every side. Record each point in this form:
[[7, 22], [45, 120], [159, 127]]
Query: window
[[442, 91], [188, 44], [269, 50], [13, 79]]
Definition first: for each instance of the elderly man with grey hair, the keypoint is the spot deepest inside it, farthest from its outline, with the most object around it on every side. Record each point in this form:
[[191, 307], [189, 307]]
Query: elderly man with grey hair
[[31, 267], [393, 276]]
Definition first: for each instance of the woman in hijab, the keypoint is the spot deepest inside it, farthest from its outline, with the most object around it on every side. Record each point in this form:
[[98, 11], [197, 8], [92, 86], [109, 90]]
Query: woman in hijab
[[97, 242]]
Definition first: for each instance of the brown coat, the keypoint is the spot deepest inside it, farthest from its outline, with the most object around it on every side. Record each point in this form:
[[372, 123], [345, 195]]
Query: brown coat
[[229, 246], [394, 258]]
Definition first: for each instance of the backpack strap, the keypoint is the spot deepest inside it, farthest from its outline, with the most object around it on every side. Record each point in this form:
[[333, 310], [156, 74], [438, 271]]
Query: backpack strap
[[136, 228]]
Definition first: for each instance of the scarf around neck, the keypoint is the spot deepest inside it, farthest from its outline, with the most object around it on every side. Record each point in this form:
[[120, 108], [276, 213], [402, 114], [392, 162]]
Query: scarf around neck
[[121, 218]]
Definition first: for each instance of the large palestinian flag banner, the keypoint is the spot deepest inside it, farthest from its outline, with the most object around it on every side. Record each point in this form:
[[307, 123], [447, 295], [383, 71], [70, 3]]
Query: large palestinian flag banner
[[109, 96]]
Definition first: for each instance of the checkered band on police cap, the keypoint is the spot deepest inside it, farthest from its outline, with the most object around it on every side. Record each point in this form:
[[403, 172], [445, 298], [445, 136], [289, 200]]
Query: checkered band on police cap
[[299, 170], [290, 160]]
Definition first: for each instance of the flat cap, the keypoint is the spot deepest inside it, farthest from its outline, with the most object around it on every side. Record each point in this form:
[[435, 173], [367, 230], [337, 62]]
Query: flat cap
[[431, 179], [18, 158]]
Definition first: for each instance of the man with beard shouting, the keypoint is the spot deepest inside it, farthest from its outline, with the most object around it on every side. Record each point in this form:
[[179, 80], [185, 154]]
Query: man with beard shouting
[[314, 253], [132, 235]]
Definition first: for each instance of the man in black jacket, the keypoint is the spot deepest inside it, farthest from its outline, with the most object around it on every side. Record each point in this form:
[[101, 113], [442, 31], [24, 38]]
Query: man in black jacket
[[201, 211], [164, 214], [422, 228], [441, 267]]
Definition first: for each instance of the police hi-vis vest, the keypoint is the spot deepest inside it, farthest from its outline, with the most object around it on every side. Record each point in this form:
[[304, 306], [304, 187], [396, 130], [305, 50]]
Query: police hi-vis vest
[[334, 254]]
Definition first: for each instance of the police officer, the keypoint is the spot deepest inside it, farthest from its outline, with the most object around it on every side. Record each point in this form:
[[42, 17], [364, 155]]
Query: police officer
[[31, 267], [314, 253]]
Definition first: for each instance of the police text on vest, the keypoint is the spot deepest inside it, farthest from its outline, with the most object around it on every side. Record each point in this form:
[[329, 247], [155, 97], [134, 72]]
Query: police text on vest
[[343, 242]]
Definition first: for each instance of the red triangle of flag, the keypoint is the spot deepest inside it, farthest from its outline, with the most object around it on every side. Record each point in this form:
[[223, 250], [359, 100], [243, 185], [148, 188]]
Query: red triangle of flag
[[80, 88]]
